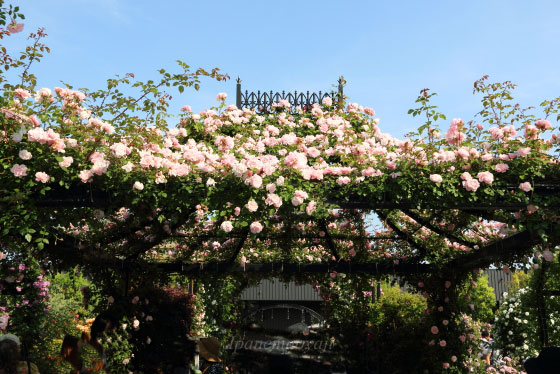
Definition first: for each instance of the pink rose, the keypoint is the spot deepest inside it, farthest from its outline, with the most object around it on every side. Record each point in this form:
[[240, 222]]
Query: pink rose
[[311, 208], [445, 365], [501, 168], [255, 181], [256, 227], [525, 186], [420, 284], [471, 185], [85, 175], [522, 152], [327, 101], [543, 124], [447, 284], [252, 206], [436, 178], [138, 186], [42, 177], [434, 330], [273, 199], [485, 177], [186, 108], [19, 170], [454, 358], [66, 161], [221, 96], [226, 226], [442, 343], [15, 27], [21, 93], [343, 180], [462, 338]]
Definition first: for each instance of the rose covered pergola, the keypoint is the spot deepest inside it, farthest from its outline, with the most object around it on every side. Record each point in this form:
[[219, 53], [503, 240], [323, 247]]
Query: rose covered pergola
[[116, 184]]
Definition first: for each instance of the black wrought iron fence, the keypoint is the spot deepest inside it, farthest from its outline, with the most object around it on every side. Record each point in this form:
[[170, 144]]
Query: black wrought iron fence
[[263, 101]]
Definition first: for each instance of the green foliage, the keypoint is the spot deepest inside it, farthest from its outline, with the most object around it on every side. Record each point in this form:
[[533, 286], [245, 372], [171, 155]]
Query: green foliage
[[397, 328], [478, 293], [520, 279]]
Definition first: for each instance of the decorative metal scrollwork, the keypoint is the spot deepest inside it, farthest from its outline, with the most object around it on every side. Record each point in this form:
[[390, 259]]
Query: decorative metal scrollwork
[[263, 102]]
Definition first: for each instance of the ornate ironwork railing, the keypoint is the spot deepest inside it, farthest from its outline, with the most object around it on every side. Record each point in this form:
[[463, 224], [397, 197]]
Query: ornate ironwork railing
[[263, 102]]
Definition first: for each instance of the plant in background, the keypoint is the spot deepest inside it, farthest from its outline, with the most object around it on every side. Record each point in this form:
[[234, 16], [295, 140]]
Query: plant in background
[[478, 298]]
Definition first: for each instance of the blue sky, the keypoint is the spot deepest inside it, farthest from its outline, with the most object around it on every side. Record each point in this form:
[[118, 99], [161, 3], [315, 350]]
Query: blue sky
[[386, 50]]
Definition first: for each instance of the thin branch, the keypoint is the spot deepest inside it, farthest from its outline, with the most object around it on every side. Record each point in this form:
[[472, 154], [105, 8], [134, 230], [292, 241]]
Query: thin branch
[[437, 230], [330, 241]]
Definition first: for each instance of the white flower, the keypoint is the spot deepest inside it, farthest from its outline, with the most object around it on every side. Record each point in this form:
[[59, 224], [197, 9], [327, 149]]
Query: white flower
[[138, 186], [135, 323], [226, 226], [210, 182], [128, 167], [525, 347], [24, 154]]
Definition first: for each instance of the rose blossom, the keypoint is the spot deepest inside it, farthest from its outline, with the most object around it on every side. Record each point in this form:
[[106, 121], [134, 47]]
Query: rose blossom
[[311, 207], [256, 227], [221, 96], [442, 343], [23, 94], [501, 168], [471, 184], [226, 226], [273, 199], [66, 161], [138, 186], [445, 365], [485, 177], [343, 180], [85, 175], [434, 330], [42, 177], [24, 154], [15, 27], [525, 186], [19, 170], [252, 206], [436, 178]]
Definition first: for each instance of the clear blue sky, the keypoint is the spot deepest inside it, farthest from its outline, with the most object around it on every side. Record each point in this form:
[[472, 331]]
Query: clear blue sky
[[386, 50]]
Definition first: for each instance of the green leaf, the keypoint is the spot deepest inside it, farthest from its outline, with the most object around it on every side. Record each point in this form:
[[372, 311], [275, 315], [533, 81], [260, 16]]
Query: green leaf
[[28, 237]]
